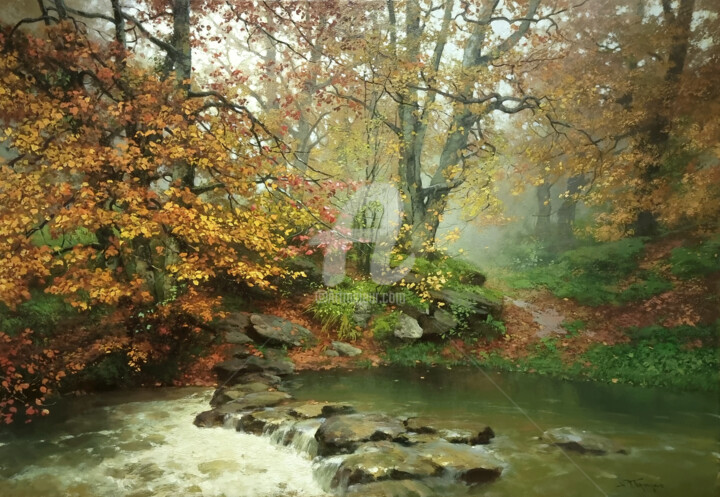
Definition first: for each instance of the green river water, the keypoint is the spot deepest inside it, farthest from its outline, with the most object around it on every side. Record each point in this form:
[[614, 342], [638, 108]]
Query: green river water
[[143, 443]]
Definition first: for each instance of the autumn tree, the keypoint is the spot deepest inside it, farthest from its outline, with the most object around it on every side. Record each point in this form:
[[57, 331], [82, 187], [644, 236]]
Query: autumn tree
[[128, 186], [630, 123]]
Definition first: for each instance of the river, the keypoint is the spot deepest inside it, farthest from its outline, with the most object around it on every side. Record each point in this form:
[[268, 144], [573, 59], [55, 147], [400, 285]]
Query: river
[[143, 443]]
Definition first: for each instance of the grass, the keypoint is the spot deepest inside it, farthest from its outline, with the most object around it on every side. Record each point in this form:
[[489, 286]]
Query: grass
[[421, 353], [384, 326], [594, 274], [700, 260], [679, 358], [336, 310]]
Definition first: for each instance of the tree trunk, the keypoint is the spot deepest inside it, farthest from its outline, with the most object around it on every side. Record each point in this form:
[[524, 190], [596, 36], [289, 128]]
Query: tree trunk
[[566, 212], [658, 135], [544, 210]]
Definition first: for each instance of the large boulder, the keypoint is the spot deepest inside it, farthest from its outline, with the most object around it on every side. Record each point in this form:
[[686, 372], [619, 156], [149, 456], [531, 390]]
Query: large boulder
[[265, 421], [343, 434], [264, 377], [471, 465], [255, 401], [234, 328], [228, 394], [408, 328], [306, 410], [345, 349], [209, 419], [378, 461], [272, 330], [580, 441], [475, 304], [390, 488], [234, 367], [438, 324]]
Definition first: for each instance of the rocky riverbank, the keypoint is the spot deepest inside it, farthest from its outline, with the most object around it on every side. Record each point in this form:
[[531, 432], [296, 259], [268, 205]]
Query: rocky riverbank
[[355, 453]]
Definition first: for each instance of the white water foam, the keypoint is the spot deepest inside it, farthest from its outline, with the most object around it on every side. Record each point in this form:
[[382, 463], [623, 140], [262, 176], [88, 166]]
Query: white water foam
[[155, 450]]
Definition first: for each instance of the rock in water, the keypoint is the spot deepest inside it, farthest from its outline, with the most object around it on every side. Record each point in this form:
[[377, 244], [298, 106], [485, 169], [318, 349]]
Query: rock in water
[[378, 461], [344, 433], [580, 441], [273, 330], [345, 349], [305, 410], [255, 401], [471, 465], [258, 422], [408, 328], [209, 419], [462, 433]]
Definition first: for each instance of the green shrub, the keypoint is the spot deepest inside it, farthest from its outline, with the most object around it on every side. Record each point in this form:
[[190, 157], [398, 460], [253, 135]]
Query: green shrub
[[655, 357], [610, 260], [384, 326], [652, 363], [649, 284], [592, 274], [335, 311], [701, 260]]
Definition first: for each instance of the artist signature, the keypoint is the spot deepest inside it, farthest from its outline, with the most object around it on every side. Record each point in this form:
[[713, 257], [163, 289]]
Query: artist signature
[[639, 484]]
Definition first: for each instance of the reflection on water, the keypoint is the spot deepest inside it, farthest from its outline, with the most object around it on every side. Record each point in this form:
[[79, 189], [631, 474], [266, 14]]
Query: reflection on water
[[143, 443], [673, 438]]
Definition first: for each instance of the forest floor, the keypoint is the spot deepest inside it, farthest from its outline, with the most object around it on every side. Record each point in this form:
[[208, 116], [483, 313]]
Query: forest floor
[[532, 319]]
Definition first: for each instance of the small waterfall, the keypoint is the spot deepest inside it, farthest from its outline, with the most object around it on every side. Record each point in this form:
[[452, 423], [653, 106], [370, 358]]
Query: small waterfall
[[299, 435], [325, 471], [232, 421]]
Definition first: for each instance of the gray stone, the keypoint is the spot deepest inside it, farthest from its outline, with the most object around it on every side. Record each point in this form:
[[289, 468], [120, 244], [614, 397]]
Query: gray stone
[[415, 438], [580, 441], [408, 328], [235, 322], [473, 302], [266, 421], [242, 352], [228, 394], [234, 367], [471, 465], [346, 350], [378, 461], [209, 419], [273, 330], [307, 410], [342, 434], [462, 432], [255, 400], [331, 353], [438, 324], [252, 364], [264, 377]]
